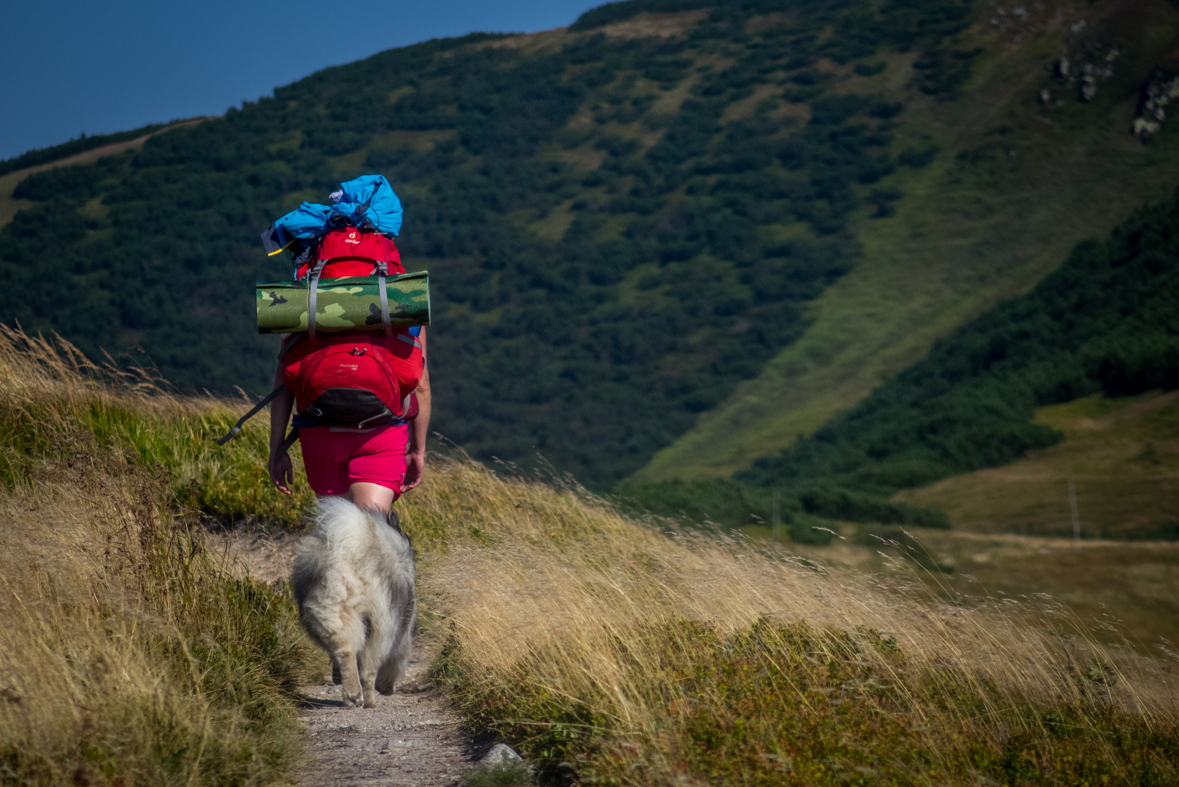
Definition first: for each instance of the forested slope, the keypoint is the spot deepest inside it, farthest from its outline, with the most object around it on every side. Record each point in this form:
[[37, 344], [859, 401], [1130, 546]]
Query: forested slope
[[620, 226], [1102, 327], [1107, 321], [1025, 169], [631, 219]]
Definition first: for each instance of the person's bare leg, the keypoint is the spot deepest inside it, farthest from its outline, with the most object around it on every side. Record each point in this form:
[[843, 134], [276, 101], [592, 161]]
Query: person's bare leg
[[371, 497]]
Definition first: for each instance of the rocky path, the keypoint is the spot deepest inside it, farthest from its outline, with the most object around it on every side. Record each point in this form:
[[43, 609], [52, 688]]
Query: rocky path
[[411, 738]]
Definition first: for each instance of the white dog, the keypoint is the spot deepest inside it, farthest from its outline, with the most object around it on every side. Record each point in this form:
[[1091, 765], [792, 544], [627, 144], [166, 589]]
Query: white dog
[[354, 581]]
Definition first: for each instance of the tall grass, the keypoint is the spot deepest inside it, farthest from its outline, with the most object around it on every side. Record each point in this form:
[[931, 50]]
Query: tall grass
[[49, 391], [610, 649], [628, 655], [130, 655]]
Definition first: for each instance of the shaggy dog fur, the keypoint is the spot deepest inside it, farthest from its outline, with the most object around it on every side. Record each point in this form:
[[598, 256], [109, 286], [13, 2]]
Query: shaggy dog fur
[[354, 581]]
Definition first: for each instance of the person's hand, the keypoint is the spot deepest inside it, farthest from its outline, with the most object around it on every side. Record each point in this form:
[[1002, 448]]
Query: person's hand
[[282, 472], [414, 463]]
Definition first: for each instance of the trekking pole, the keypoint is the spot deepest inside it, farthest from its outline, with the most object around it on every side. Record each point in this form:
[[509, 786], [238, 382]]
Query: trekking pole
[[238, 427]]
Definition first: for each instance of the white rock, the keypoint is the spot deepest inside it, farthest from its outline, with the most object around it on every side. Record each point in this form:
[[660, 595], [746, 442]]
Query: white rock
[[1088, 87], [1144, 128], [500, 754]]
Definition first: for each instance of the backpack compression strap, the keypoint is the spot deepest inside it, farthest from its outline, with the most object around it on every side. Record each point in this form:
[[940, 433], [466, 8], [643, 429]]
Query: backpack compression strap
[[318, 269], [382, 269]]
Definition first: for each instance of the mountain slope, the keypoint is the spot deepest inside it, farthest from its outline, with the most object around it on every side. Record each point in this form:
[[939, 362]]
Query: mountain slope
[[622, 222], [80, 151], [1121, 456], [1107, 320], [1017, 184], [627, 219]]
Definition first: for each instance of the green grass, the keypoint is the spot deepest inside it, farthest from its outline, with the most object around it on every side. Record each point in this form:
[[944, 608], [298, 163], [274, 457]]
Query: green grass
[[52, 394], [1122, 456], [132, 654], [604, 649], [965, 236]]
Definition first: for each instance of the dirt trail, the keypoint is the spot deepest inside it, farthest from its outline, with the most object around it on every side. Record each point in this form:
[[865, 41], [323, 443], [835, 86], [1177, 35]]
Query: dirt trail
[[410, 739]]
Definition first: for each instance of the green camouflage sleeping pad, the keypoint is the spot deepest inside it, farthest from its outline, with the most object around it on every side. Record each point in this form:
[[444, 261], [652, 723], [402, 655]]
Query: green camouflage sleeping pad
[[345, 304]]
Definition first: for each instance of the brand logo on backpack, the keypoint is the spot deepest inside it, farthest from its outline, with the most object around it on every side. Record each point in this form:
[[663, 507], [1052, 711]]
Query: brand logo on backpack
[[352, 252]]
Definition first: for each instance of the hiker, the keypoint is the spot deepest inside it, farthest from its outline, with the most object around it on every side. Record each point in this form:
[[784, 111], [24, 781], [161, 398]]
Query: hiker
[[371, 467], [353, 358]]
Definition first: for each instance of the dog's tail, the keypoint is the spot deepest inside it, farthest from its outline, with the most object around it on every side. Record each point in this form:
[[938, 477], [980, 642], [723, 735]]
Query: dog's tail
[[337, 519]]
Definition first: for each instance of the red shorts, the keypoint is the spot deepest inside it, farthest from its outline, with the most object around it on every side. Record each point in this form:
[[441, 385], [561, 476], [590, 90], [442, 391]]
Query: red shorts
[[335, 460]]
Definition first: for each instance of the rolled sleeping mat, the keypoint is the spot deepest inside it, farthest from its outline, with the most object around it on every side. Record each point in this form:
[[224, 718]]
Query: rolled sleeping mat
[[345, 304]]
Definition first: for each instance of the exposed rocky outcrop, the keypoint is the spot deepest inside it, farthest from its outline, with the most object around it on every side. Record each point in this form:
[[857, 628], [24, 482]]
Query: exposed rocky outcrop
[[1087, 57], [1158, 92]]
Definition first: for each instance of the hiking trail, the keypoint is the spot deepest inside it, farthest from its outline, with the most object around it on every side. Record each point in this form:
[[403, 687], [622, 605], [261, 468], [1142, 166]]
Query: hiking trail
[[411, 739]]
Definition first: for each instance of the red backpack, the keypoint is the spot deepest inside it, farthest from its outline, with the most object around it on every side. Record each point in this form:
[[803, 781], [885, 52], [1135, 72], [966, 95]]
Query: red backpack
[[352, 252], [355, 378], [358, 378]]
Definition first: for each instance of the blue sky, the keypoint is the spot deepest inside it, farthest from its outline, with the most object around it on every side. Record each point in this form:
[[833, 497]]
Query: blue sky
[[75, 66]]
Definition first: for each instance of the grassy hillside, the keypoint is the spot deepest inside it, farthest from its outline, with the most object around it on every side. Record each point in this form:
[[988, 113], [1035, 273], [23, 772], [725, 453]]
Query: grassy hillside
[[1104, 321], [131, 654], [1016, 185], [1121, 454], [603, 647], [623, 220], [678, 227]]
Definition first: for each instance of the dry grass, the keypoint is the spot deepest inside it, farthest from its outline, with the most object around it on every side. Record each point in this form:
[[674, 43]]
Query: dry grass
[[581, 633], [607, 648], [1118, 590], [49, 391], [130, 655]]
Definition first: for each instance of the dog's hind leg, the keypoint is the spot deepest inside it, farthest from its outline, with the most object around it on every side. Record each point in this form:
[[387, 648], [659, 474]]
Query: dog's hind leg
[[345, 660], [390, 672], [368, 679], [397, 660], [368, 660]]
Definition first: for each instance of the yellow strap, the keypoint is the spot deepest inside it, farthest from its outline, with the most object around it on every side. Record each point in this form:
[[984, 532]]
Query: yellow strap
[[284, 248]]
